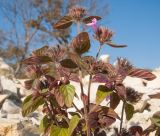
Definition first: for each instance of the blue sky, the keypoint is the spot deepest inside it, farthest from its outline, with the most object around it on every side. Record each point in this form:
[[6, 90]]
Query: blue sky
[[136, 23]]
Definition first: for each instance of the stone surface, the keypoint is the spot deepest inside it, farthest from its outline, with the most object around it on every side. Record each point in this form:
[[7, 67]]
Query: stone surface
[[5, 69], [10, 107], [2, 98], [8, 85], [12, 127]]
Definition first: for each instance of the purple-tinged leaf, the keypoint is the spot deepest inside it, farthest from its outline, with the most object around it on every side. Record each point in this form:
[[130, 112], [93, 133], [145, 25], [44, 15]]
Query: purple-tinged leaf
[[81, 43], [101, 78], [63, 23], [59, 97], [121, 91], [74, 77], [40, 52], [115, 45], [37, 60], [106, 121], [32, 71], [68, 63], [90, 18], [155, 96], [28, 84], [114, 100], [142, 73], [93, 120], [136, 130]]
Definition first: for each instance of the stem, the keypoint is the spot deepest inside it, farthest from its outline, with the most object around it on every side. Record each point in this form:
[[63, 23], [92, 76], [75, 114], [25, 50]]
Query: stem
[[82, 91], [122, 113], [89, 89], [89, 86], [100, 47], [77, 108]]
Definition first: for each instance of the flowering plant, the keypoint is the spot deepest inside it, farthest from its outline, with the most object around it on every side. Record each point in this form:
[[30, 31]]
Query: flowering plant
[[51, 69]]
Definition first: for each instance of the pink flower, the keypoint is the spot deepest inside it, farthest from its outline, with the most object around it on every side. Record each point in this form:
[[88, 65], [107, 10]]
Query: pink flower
[[93, 24]]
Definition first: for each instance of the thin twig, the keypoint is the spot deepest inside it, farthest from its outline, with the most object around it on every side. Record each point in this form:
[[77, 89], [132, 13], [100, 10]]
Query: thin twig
[[100, 47]]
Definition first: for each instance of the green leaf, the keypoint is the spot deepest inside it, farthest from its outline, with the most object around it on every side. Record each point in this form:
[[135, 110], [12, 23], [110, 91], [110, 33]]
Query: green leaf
[[29, 104], [102, 93], [73, 124], [57, 131], [81, 43], [156, 121], [68, 92], [129, 110], [63, 23], [45, 122], [68, 63]]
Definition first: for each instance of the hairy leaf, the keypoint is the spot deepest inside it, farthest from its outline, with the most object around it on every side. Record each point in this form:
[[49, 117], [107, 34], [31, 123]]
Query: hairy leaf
[[37, 60], [32, 71], [29, 104], [81, 43], [114, 100], [129, 110], [73, 124], [156, 121], [106, 121], [45, 122], [115, 45], [41, 52], [93, 119], [58, 131], [136, 130], [121, 91], [101, 78], [102, 93], [68, 92], [59, 97], [28, 84], [90, 18], [63, 23], [155, 96], [68, 63], [142, 73]]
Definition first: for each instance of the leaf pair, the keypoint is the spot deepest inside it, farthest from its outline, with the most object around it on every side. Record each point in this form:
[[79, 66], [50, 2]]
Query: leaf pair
[[67, 21]]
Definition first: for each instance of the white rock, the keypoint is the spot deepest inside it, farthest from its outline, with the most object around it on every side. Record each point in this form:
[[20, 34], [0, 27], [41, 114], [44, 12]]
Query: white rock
[[141, 104], [3, 97], [8, 85], [154, 105], [135, 83], [105, 58], [10, 107], [5, 69], [142, 119]]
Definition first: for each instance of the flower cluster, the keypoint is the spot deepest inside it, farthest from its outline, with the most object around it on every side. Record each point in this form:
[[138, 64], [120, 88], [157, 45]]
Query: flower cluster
[[77, 13]]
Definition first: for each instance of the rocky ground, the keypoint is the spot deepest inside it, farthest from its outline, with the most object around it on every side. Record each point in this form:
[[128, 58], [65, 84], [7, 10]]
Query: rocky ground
[[12, 94]]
